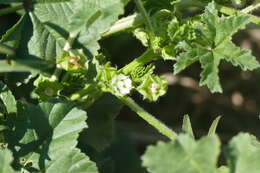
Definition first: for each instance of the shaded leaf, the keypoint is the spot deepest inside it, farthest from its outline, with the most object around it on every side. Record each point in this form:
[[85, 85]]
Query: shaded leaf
[[101, 122], [8, 99], [45, 132]]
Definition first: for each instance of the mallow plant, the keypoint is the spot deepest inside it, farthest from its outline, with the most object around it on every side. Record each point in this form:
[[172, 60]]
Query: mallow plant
[[77, 93]]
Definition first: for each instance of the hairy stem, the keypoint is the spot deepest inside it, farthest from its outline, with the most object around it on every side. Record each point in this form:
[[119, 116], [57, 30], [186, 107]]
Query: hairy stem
[[145, 15], [10, 10], [230, 11], [147, 57], [251, 8], [157, 124]]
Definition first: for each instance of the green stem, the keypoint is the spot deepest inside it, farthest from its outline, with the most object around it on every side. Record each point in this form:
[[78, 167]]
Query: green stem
[[162, 128], [6, 50], [147, 57], [10, 10], [251, 8], [231, 11], [145, 15], [124, 24]]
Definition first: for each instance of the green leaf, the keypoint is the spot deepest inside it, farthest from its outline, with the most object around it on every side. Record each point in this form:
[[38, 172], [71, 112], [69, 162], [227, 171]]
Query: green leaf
[[223, 169], [85, 15], [6, 159], [214, 44], [101, 122], [240, 58], [243, 155], [46, 132], [213, 127], [8, 99], [183, 155], [186, 126], [209, 75], [25, 60], [59, 18], [72, 162], [44, 43], [13, 36]]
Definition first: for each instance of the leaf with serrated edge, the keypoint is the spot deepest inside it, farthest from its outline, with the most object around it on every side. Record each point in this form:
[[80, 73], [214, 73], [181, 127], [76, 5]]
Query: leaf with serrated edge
[[62, 15], [72, 162], [183, 154], [53, 131], [214, 44]]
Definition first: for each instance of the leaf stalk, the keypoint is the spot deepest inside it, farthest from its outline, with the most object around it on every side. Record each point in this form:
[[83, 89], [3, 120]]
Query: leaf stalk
[[150, 119]]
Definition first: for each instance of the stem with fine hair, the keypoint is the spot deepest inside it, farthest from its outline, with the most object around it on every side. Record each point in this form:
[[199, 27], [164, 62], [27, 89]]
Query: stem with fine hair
[[150, 119]]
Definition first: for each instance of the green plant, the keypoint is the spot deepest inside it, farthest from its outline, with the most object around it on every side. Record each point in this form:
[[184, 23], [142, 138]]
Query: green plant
[[54, 47]]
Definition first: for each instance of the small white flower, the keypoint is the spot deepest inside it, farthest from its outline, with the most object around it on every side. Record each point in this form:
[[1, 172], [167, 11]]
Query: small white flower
[[121, 84]]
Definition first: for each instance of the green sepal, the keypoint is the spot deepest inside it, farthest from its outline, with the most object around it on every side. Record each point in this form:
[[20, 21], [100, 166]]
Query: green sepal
[[153, 87], [46, 88]]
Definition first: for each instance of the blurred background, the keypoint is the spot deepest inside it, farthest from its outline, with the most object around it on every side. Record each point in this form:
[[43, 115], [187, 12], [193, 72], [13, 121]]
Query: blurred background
[[239, 104]]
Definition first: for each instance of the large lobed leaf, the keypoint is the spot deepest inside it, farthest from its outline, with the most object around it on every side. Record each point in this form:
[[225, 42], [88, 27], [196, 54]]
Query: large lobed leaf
[[183, 155], [44, 134], [92, 19], [213, 45]]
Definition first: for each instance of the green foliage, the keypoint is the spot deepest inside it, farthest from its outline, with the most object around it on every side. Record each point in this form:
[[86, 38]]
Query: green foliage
[[52, 134], [101, 122], [183, 155], [187, 155], [213, 44], [8, 99], [6, 160], [54, 50]]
